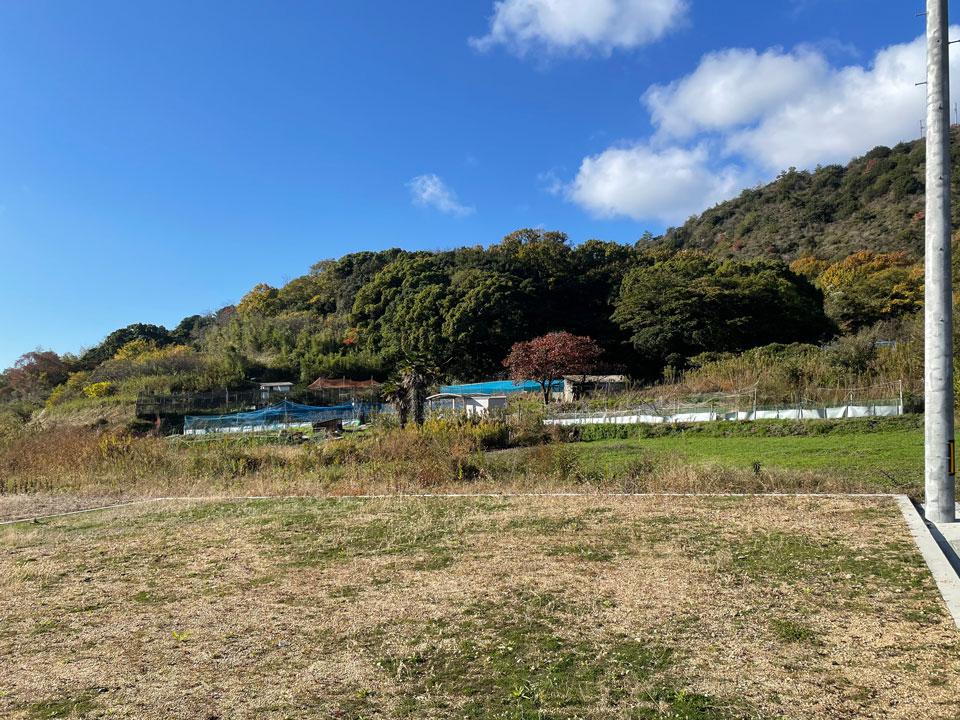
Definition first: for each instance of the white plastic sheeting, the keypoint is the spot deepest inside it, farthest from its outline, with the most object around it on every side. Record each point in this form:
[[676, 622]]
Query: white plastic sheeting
[[887, 410], [250, 428], [794, 413]]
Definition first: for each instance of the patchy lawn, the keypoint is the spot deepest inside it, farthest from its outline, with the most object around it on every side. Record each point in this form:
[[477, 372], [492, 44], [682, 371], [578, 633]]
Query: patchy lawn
[[589, 607]]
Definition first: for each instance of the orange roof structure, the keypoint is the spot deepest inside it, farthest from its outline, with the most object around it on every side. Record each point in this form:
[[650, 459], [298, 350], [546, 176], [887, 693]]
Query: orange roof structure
[[342, 384]]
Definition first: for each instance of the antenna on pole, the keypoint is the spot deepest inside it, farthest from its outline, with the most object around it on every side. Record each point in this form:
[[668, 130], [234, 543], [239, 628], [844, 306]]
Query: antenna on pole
[[939, 453]]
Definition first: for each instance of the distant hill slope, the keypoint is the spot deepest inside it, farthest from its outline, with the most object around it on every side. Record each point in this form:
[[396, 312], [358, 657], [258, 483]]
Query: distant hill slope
[[874, 203]]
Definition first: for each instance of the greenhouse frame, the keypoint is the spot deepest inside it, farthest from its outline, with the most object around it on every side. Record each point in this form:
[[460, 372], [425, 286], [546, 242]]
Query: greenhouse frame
[[285, 415]]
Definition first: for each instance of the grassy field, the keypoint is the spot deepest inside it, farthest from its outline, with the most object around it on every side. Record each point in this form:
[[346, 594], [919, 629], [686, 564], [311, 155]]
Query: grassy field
[[890, 462], [562, 608]]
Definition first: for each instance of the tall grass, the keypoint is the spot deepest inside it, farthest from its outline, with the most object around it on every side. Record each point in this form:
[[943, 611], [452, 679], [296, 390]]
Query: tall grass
[[394, 459], [442, 456]]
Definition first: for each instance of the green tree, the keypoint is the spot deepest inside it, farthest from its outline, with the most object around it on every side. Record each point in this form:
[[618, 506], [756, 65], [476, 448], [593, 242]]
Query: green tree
[[189, 329], [263, 300], [866, 287], [416, 326], [377, 302], [689, 303], [485, 316], [118, 338]]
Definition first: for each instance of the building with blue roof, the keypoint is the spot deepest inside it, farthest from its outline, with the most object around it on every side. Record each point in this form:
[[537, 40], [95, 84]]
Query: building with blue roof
[[499, 387]]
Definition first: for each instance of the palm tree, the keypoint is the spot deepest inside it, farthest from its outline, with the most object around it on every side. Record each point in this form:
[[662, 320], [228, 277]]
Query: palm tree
[[396, 394], [416, 375]]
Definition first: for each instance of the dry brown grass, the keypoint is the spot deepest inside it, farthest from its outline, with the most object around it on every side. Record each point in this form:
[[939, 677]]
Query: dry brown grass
[[766, 607], [68, 469]]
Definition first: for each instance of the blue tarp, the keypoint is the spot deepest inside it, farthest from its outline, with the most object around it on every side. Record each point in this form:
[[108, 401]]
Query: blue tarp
[[499, 387], [283, 414]]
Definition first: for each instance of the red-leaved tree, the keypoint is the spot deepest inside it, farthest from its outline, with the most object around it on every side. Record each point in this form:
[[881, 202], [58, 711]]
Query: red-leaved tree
[[36, 373], [548, 358]]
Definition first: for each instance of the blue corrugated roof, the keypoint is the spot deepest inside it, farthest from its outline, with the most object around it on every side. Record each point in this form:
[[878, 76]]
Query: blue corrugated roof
[[498, 387]]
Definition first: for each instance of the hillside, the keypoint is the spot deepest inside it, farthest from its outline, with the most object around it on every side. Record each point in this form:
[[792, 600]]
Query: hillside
[[814, 255], [874, 203]]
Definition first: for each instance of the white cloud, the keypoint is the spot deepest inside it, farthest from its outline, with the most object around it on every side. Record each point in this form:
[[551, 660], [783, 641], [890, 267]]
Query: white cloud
[[853, 110], [644, 183], [781, 109], [551, 183], [431, 191], [744, 115], [579, 26], [731, 87]]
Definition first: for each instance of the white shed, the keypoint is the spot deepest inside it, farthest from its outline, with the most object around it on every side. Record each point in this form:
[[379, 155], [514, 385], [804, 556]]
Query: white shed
[[475, 404], [273, 387]]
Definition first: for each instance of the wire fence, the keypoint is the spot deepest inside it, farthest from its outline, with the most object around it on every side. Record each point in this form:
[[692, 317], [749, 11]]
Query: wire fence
[[652, 413], [670, 399], [224, 401]]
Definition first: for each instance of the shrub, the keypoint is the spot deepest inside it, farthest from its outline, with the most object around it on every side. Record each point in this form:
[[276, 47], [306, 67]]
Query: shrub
[[590, 433], [99, 390], [76, 380], [483, 434], [59, 394], [135, 349]]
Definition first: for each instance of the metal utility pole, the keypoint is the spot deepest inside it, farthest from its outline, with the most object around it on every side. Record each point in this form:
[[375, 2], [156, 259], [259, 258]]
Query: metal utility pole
[[939, 456]]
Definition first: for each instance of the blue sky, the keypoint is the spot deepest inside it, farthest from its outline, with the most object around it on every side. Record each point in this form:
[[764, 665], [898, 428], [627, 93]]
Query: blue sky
[[159, 158]]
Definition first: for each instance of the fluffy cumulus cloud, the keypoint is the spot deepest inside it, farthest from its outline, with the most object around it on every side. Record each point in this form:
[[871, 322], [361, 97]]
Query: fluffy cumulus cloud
[[645, 183], [854, 109], [431, 191], [579, 26], [744, 115], [731, 87], [781, 109]]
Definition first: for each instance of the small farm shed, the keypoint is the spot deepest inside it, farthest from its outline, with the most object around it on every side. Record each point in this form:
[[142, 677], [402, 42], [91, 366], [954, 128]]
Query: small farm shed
[[274, 387], [578, 386], [475, 404]]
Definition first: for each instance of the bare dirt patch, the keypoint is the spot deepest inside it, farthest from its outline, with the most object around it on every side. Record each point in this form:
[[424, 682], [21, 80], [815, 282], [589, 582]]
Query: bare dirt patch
[[586, 607]]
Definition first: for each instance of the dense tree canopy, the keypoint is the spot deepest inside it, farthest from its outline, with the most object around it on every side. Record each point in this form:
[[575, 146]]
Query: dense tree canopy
[[867, 287], [118, 338], [462, 310], [680, 305]]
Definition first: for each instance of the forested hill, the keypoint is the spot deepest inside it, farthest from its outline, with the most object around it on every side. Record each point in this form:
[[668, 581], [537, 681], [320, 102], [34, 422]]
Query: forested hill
[[874, 203], [807, 257]]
